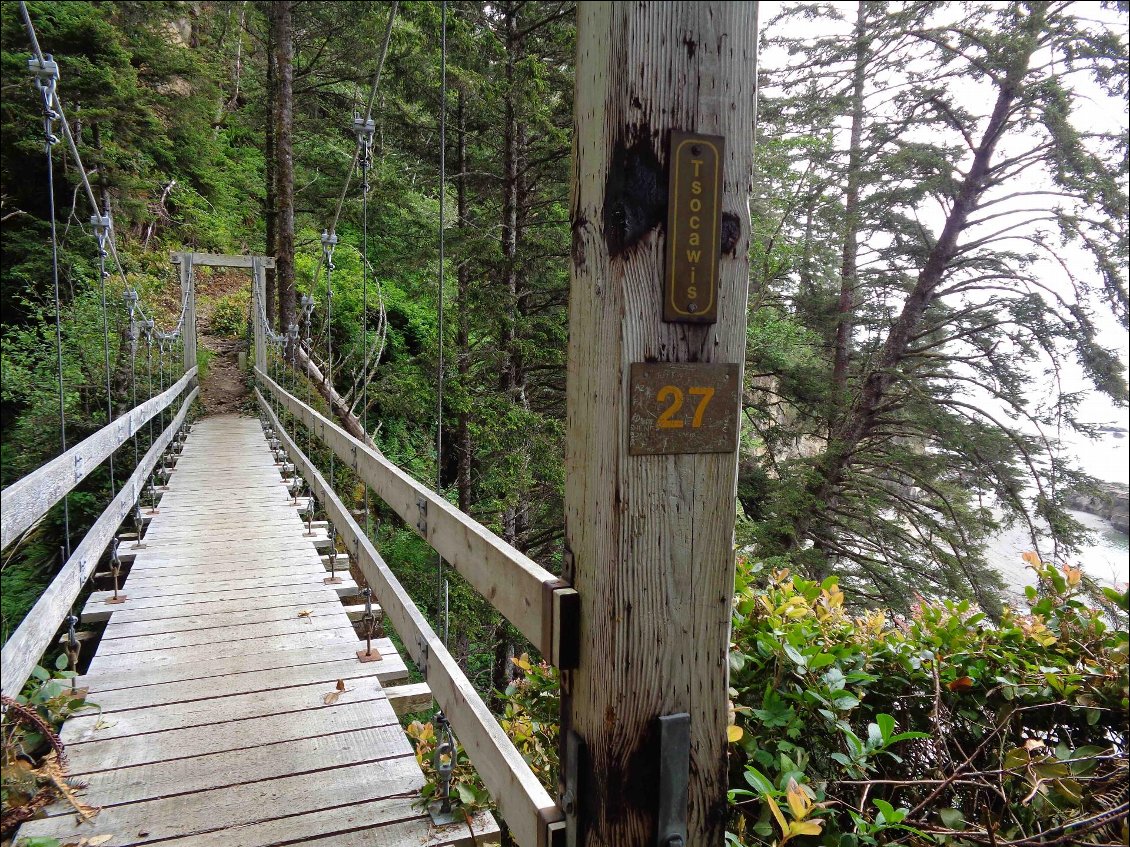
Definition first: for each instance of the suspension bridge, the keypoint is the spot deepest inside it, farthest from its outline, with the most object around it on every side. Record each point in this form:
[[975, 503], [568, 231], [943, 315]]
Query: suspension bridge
[[232, 699]]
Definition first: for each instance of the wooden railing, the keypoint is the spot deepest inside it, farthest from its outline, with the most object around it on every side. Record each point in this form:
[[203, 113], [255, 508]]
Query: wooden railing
[[31, 497], [531, 598], [541, 606], [28, 499]]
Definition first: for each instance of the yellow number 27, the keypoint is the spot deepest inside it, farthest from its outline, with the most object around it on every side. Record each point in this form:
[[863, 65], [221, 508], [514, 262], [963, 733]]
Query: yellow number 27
[[667, 419]]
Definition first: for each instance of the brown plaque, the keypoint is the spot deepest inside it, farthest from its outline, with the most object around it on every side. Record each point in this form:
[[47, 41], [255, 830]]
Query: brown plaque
[[683, 408], [694, 220]]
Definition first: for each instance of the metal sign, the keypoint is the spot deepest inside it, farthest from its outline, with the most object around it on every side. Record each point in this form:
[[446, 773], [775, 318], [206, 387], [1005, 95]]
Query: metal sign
[[683, 408], [694, 220]]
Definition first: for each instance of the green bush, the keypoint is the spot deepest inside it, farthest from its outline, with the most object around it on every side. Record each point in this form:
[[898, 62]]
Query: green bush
[[229, 314], [941, 728]]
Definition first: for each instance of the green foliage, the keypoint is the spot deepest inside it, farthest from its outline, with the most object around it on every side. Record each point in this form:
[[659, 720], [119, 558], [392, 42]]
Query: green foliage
[[942, 717], [229, 314]]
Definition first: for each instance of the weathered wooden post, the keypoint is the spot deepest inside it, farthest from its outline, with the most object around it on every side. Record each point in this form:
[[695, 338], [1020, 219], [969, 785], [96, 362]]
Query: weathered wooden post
[[259, 310], [188, 296], [657, 315]]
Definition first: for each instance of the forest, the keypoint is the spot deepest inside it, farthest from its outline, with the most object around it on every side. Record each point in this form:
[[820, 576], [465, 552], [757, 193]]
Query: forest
[[938, 283]]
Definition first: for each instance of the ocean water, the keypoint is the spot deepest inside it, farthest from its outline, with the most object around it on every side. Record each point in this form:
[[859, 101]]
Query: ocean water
[[1107, 557]]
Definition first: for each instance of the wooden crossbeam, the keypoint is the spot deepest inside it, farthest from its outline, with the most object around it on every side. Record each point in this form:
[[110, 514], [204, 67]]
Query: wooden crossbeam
[[219, 260]]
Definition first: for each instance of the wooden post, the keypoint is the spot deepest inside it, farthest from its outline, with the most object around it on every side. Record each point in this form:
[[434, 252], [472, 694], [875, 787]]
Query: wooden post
[[188, 295], [649, 512], [258, 310]]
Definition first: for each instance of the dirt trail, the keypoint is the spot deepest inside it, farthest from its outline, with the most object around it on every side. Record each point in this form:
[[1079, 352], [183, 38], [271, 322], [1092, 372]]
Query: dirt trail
[[224, 389]]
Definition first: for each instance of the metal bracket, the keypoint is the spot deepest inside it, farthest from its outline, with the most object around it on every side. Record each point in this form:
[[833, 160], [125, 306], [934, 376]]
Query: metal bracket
[[422, 517], [571, 797], [674, 779], [422, 662]]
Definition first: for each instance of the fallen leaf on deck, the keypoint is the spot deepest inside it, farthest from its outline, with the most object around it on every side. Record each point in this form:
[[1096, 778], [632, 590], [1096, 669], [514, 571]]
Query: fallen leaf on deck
[[333, 696]]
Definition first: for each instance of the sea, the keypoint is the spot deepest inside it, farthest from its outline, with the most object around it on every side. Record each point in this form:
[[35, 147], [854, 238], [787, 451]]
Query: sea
[[1107, 557]]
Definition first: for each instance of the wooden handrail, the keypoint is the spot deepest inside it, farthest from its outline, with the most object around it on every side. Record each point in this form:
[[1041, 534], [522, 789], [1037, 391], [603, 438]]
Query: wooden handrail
[[26, 500], [541, 606], [533, 817], [38, 628]]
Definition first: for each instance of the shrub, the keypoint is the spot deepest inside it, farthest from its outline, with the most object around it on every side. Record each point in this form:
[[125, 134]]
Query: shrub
[[860, 728]]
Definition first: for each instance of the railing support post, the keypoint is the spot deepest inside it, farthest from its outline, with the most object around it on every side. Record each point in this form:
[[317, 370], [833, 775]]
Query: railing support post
[[657, 317]]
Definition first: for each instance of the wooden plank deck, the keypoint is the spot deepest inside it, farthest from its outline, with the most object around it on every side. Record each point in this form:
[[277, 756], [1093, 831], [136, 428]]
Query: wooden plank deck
[[211, 680]]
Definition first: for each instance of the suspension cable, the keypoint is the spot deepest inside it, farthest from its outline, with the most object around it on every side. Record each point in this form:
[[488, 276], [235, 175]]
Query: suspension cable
[[43, 61], [329, 242], [101, 224], [364, 131], [46, 73], [439, 304]]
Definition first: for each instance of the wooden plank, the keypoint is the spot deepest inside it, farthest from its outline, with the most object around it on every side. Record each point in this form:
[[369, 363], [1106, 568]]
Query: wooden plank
[[375, 823], [228, 768], [293, 600], [211, 724], [268, 680], [523, 801], [514, 584], [26, 500], [123, 626], [369, 710], [34, 634], [219, 809], [212, 660], [185, 588], [246, 597], [405, 699], [296, 627], [220, 260]]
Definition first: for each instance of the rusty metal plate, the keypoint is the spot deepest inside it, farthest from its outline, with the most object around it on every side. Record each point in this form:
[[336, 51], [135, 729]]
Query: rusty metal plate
[[694, 221], [683, 408]]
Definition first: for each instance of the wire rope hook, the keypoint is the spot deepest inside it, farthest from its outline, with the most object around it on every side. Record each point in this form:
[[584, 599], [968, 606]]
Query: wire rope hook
[[115, 569], [296, 487], [369, 622], [333, 578], [154, 498], [443, 760]]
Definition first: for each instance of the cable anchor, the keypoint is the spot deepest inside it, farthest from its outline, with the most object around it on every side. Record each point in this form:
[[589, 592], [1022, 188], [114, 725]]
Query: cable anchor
[[101, 224]]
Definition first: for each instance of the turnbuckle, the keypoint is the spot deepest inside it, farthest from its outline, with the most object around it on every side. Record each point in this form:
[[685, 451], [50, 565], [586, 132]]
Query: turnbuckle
[[115, 569], [443, 760], [333, 578], [369, 620]]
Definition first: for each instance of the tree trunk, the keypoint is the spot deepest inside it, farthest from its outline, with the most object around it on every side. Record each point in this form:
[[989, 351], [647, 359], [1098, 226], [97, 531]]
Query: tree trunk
[[845, 307], [270, 154], [650, 537], [338, 405], [282, 33]]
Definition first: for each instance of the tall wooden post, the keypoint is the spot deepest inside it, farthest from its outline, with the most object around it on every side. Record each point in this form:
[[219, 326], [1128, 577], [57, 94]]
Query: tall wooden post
[[259, 310], [188, 296], [656, 343]]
